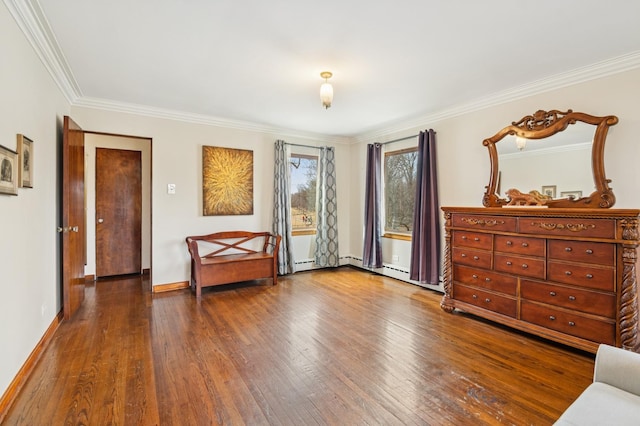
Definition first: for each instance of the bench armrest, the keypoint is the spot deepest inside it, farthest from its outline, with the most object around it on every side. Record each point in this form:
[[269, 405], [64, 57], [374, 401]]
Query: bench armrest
[[618, 367]]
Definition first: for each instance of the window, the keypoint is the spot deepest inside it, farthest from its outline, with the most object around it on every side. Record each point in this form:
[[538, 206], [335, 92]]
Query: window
[[304, 178], [400, 172]]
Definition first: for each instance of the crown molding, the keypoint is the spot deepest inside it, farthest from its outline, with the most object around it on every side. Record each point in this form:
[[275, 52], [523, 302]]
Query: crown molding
[[33, 23], [579, 75], [168, 114]]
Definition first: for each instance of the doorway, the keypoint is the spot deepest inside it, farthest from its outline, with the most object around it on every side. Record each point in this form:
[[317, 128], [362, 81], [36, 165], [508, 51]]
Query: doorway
[[107, 256]]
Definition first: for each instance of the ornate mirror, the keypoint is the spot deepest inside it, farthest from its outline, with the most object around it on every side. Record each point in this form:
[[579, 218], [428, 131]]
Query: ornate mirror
[[553, 159]]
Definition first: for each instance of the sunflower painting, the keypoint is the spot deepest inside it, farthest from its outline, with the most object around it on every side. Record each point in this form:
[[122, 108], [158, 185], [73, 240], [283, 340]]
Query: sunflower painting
[[227, 181]]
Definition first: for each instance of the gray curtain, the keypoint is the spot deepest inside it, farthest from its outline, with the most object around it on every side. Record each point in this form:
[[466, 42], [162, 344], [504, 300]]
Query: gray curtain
[[327, 231], [282, 208], [372, 252], [425, 241]]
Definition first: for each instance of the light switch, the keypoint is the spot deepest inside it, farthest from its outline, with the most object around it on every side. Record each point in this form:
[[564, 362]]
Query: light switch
[[171, 188]]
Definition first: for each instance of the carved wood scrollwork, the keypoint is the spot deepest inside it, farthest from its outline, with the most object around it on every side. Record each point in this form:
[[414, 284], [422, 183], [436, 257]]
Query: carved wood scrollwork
[[543, 124], [577, 227], [447, 273], [482, 222]]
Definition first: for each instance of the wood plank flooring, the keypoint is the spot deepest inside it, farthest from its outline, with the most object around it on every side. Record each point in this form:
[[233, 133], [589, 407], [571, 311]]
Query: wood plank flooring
[[336, 347]]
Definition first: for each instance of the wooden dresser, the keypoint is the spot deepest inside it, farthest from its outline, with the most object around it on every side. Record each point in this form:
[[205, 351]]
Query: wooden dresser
[[568, 275]]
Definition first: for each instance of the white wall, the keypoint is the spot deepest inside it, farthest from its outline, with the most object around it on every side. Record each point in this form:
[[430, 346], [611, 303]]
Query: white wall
[[91, 142], [463, 162], [31, 104]]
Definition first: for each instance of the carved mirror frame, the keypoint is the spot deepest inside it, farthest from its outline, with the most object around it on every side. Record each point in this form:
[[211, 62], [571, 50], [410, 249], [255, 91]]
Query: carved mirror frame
[[543, 124]]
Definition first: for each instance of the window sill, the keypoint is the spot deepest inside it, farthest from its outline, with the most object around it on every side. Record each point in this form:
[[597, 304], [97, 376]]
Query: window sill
[[395, 236], [303, 232]]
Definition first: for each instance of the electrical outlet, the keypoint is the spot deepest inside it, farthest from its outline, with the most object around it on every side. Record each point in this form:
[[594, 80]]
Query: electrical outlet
[[395, 258], [171, 188], [43, 308]]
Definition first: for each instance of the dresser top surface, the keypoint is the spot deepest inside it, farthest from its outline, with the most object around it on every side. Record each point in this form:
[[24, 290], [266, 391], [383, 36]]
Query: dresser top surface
[[546, 212]]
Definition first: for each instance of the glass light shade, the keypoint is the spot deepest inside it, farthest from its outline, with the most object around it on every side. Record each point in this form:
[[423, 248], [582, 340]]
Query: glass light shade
[[326, 94], [520, 143]]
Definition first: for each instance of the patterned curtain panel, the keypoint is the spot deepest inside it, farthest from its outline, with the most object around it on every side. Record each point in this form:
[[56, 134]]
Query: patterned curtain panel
[[372, 252], [425, 240], [327, 231], [282, 209]]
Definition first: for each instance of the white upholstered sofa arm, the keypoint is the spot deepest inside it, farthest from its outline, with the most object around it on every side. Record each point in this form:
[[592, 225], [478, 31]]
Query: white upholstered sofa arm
[[618, 368]]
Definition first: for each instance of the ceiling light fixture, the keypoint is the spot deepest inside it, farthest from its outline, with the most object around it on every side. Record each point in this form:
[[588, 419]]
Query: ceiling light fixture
[[520, 142], [326, 90]]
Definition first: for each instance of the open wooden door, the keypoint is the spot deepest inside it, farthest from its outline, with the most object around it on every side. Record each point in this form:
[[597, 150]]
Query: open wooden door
[[73, 229]]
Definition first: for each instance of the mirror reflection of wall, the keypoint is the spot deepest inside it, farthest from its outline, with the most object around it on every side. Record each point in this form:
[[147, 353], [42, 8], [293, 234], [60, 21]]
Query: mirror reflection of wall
[[569, 170], [562, 160]]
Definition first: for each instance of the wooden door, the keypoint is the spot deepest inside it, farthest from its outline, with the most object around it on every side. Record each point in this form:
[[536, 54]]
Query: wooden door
[[73, 229], [118, 212]]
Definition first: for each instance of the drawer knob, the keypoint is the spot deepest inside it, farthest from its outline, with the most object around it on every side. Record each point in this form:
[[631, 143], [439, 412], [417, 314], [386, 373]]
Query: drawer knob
[[589, 276], [525, 266], [475, 296], [572, 298], [567, 273], [568, 249], [509, 243], [487, 279], [475, 277], [525, 245], [552, 293], [487, 300], [464, 237], [509, 263], [475, 258], [464, 255], [476, 239], [588, 251], [572, 324], [552, 318]]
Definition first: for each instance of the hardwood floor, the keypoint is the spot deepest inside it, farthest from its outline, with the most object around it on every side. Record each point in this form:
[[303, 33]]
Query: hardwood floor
[[341, 347]]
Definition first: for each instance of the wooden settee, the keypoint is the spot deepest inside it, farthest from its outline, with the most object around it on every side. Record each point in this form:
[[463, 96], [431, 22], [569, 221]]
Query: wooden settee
[[231, 257]]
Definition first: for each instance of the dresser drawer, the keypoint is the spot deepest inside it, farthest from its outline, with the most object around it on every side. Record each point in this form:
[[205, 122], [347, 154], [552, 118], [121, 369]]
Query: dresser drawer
[[489, 223], [524, 266], [583, 251], [573, 323], [520, 245], [472, 239], [485, 279], [465, 256], [484, 299], [592, 302], [582, 275], [575, 227]]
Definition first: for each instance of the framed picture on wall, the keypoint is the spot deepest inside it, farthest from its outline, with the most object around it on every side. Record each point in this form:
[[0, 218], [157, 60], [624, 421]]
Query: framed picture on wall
[[8, 171], [549, 190], [25, 158], [573, 195]]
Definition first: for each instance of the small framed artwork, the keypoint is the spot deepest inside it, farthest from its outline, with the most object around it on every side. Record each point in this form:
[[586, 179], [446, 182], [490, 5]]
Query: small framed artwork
[[572, 195], [8, 171], [25, 157], [549, 190]]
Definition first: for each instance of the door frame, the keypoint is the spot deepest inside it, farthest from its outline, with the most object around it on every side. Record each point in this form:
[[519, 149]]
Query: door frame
[[127, 142]]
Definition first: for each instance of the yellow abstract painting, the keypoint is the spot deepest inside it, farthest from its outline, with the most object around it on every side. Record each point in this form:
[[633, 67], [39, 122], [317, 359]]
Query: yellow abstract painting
[[227, 181]]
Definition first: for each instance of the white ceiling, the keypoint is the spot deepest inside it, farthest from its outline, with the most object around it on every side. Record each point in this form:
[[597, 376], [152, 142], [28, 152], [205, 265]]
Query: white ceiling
[[258, 62]]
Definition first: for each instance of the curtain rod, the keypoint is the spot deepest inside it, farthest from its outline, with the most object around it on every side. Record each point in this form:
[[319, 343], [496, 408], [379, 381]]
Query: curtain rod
[[401, 139], [304, 146]]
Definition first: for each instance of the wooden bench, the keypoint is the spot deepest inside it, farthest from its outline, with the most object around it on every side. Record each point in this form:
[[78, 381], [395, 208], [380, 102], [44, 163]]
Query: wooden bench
[[232, 256]]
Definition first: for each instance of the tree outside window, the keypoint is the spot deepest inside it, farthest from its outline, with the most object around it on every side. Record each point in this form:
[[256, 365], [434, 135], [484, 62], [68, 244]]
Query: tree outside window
[[400, 173], [304, 178]]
